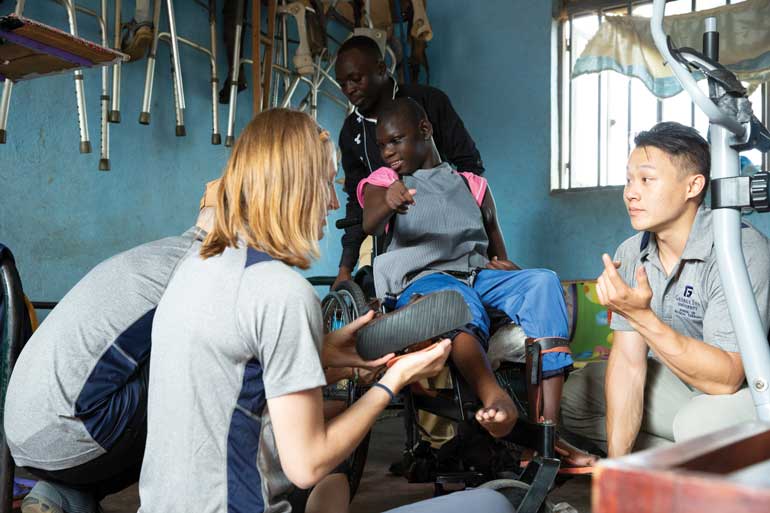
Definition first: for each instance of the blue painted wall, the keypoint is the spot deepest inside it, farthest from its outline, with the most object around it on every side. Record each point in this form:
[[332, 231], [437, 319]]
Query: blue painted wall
[[59, 214]]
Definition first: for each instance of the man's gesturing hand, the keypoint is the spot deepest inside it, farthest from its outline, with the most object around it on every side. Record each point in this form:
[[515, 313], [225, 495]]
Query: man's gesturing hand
[[617, 296]]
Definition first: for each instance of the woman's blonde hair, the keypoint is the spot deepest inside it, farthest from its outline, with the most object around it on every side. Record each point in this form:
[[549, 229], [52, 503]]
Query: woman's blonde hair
[[273, 193]]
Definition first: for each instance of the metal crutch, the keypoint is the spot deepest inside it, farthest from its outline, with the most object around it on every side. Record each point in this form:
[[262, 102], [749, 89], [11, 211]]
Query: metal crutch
[[104, 160], [85, 143], [101, 19], [144, 117], [114, 116], [176, 72], [216, 137], [5, 100], [230, 139], [149, 78]]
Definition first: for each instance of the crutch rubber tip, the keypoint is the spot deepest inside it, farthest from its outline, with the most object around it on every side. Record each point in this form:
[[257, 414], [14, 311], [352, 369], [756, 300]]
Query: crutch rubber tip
[[216, 138], [181, 131], [229, 140], [144, 118], [3, 135], [104, 164], [114, 116], [85, 146]]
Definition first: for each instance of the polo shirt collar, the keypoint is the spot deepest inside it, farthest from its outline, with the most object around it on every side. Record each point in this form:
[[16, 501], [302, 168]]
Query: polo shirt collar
[[701, 238], [699, 242]]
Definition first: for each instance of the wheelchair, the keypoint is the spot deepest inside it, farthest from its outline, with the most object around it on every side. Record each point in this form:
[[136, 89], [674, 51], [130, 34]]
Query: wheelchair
[[490, 462]]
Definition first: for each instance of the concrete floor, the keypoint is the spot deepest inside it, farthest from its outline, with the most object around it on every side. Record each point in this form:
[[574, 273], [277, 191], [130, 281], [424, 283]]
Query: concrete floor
[[380, 491]]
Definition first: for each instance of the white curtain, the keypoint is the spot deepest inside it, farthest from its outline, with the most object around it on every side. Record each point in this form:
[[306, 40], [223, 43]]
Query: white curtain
[[624, 44]]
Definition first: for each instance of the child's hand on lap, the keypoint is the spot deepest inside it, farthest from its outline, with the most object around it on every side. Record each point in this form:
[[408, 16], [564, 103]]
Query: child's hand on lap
[[501, 265]]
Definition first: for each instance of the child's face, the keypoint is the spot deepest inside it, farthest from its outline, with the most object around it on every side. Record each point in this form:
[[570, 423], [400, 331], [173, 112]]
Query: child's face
[[404, 146]]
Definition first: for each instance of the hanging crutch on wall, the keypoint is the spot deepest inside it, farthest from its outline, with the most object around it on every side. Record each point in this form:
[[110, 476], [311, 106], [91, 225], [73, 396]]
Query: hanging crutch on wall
[[237, 50], [304, 68], [114, 113], [85, 142], [34, 49], [174, 39], [104, 98], [5, 99]]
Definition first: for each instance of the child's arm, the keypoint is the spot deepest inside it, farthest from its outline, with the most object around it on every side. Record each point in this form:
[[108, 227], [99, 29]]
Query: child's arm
[[380, 204], [496, 251]]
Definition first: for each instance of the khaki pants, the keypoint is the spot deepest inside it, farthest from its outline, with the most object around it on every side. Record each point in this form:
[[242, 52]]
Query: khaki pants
[[672, 410]]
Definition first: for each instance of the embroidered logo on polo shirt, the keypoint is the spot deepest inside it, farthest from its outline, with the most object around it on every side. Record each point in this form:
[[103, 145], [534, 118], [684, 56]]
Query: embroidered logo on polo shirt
[[687, 306]]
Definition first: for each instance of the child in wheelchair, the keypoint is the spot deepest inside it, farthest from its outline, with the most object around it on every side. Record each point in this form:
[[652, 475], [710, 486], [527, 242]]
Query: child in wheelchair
[[444, 235]]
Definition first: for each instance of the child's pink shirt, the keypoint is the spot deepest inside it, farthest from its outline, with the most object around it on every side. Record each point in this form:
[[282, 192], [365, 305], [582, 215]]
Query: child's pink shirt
[[385, 176]]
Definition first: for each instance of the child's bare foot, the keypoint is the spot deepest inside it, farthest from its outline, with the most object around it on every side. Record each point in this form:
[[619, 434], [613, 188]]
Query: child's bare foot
[[498, 416], [574, 457]]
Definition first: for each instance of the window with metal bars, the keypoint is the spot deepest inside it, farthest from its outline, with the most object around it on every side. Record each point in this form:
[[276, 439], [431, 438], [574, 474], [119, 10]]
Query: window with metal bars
[[599, 114]]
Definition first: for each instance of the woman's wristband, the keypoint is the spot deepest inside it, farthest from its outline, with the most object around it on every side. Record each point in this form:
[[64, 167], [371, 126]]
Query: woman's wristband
[[386, 389]]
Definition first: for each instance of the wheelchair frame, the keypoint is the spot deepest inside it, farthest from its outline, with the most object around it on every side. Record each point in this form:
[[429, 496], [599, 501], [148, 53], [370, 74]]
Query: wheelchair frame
[[346, 302]]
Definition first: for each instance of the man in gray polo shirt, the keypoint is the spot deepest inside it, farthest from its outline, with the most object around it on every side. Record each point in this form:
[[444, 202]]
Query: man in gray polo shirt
[[675, 371]]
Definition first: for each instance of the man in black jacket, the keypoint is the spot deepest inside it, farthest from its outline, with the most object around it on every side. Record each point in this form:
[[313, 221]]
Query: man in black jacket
[[363, 77]]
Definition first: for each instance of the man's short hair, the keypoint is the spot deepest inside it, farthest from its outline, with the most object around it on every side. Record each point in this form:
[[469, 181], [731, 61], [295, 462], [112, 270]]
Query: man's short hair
[[687, 148], [404, 108], [364, 44]]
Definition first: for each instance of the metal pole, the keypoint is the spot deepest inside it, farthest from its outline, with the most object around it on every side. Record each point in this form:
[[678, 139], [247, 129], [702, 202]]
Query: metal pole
[[230, 138], [177, 71], [116, 69], [104, 161], [149, 77], [5, 103], [85, 143], [216, 137], [5, 100], [752, 341], [741, 303]]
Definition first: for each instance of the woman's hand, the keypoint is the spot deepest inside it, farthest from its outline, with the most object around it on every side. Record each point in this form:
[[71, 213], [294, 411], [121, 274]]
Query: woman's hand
[[416, 366], [339, 347], [398, 197]]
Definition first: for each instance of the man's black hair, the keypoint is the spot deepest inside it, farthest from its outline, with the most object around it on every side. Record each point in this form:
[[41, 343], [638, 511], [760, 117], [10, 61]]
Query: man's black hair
[[686, 147], [404, 108], [365, 44]]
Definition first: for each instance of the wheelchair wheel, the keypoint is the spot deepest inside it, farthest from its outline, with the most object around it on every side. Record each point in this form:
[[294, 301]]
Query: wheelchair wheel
[[340, 307], [515, 491]]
